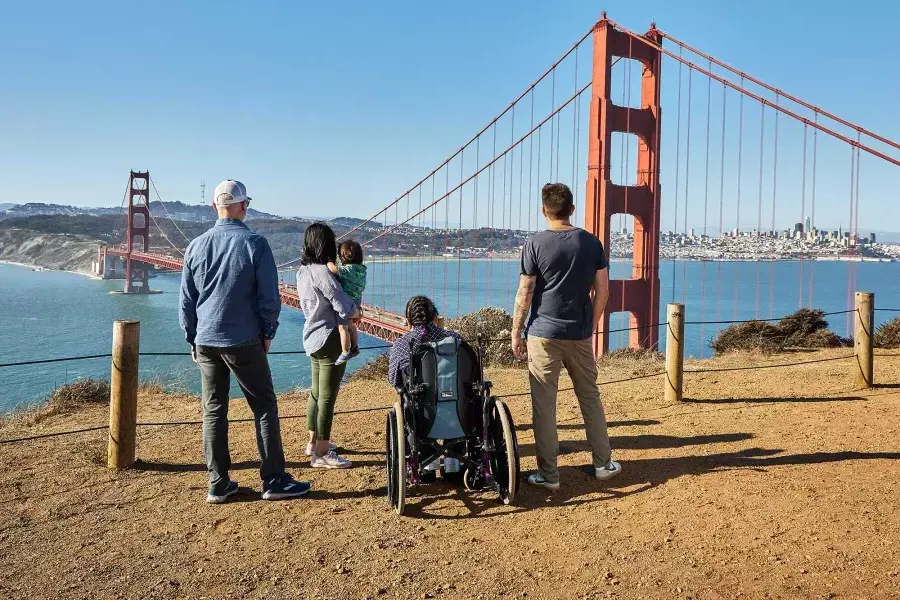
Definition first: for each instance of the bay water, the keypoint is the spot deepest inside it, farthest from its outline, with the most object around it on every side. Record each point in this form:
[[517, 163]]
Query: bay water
[[49, 314]]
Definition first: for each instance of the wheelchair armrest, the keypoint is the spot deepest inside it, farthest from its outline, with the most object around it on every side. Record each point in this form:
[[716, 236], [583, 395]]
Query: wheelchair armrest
[[488, 385]]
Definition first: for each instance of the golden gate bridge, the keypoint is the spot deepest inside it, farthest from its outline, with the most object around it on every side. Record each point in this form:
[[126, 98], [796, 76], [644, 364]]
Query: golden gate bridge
[[754, 142]]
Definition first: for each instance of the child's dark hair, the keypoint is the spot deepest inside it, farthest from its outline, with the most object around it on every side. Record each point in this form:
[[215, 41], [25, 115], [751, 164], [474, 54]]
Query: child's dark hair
[[420, 311], [350, 253]]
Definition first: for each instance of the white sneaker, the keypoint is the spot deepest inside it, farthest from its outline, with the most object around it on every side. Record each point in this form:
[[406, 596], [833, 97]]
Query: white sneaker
[[608, 471], [537, 480], [329, 461], [311, 447]]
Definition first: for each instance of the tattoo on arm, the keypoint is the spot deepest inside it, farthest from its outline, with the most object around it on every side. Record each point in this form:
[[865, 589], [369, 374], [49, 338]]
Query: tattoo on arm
[[524, 296]]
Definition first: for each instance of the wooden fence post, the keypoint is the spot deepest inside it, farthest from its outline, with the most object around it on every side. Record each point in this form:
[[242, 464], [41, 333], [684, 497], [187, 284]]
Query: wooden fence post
[[675, 353], [123, 391], [862, 339]]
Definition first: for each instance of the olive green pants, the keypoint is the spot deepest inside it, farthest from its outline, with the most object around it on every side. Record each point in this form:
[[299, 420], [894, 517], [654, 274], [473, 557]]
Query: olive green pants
[[326, 381]]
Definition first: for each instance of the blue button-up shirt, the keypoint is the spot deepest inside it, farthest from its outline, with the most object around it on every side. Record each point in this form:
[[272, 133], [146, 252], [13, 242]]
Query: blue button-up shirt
[[229, 287]]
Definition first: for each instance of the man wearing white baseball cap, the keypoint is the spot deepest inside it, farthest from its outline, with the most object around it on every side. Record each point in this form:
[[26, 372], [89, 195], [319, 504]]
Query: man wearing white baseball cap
[[229, 307]]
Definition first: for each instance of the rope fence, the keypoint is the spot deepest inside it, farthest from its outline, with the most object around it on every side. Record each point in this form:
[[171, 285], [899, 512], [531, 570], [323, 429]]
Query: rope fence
[[387, 346], [124, 401]]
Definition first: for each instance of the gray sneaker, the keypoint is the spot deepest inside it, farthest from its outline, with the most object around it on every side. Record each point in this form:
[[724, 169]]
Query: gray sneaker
[[537, 480], [607, 471], [329, 461], [310, 448]]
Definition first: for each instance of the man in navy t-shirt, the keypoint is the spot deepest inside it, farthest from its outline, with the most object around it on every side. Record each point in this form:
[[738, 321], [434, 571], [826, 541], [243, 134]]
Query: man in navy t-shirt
[[564, 282]]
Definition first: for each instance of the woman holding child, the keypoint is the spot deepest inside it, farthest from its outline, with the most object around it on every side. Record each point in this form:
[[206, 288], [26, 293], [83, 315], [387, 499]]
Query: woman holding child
[[329, 311]]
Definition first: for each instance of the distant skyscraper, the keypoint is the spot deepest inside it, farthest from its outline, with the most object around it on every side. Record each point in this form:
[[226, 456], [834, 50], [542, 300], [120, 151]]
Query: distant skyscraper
[[808, 224], [872, 238], [798, 227]]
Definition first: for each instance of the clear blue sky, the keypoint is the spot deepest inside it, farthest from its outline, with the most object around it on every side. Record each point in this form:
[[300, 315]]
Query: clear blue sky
[[332, 109]]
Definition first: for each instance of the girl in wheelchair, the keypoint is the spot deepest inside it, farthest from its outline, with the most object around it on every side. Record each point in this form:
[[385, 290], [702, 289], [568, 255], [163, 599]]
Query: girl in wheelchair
[[445, 412]]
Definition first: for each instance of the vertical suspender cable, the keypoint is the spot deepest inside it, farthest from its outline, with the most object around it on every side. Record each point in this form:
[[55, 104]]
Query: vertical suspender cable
[[687, 179], [854, 235], [762, 132], [444, 260], [459, 240], [531, 164], [552, 121], [849, 232], [576, 113], [721, 204], [705, 203], [812, 264], [737, 225], [475, 235], [774, 195], [802, 213], [493, 196]]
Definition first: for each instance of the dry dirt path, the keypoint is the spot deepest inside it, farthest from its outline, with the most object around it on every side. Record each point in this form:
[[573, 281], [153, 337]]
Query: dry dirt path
[[777, 483]]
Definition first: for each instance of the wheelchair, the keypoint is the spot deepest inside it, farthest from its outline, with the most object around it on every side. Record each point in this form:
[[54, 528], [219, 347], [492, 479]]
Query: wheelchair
[[446, 410]]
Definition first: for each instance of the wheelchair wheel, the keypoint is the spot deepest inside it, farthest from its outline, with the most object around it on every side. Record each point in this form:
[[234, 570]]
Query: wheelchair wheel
[[505, 453], [395, 453]]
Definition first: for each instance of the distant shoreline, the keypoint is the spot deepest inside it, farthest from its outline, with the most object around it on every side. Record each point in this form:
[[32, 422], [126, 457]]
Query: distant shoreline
[[383, 260], [48, 269]]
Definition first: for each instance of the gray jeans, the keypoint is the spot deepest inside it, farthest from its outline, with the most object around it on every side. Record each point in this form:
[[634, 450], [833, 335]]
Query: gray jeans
[[250, 367]]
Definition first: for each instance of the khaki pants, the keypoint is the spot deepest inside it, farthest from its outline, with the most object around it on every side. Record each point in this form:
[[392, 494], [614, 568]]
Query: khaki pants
[[546, 357]]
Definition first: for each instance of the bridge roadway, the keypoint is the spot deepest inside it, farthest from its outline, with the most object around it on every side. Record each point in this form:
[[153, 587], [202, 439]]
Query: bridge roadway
[[376, 322]]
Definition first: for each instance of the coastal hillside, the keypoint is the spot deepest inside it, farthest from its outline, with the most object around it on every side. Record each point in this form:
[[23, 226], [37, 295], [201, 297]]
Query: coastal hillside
[[776, 483], [51, 251]]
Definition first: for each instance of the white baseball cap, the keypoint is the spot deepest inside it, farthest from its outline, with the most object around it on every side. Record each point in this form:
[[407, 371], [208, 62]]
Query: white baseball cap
[[230, 192]]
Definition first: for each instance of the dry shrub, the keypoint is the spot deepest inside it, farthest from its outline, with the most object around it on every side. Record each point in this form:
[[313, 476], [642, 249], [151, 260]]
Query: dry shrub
[[65, 399], [754, 335], [494, 327], [375, 369], [635, 361], [887, 335], [806, 328]]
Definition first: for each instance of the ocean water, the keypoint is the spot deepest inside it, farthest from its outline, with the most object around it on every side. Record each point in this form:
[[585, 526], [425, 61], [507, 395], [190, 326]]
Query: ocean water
[[53, 314]]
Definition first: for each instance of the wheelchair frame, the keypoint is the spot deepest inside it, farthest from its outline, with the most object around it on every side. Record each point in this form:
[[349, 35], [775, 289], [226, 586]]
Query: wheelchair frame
[[490, 454]]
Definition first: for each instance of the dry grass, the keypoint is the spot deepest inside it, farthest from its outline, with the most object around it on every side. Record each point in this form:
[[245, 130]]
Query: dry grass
[[63, 400], [375, 369], [888, 334], [494, 327], [806, 328]]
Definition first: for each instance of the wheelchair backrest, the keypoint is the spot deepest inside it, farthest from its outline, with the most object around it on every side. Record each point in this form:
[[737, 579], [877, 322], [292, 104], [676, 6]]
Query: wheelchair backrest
[[449, 370]]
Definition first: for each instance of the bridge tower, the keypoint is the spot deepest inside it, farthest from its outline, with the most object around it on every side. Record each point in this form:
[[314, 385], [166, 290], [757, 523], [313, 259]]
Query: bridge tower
[[638, 295], [138, 232]]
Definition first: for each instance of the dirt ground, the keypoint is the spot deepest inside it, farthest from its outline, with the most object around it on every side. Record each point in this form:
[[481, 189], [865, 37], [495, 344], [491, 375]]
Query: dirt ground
[[781, 483]]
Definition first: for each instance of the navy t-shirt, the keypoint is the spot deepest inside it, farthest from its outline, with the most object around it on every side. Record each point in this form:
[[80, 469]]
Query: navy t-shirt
[[565, 263]]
